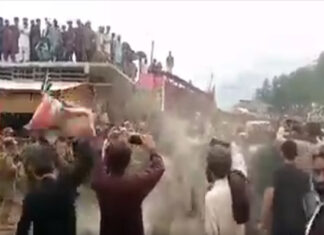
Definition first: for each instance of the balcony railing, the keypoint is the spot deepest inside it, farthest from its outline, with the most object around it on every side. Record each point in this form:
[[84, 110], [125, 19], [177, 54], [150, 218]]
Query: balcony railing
[[58, 71]]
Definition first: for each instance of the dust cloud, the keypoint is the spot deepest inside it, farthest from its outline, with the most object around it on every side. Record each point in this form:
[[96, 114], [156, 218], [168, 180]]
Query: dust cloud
[[175, 206]]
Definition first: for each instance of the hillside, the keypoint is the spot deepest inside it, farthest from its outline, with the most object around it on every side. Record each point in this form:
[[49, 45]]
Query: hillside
[[297, 90]]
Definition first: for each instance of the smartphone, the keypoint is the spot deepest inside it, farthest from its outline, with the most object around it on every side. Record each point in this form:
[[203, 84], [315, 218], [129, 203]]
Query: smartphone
[[215, 141], [135, 139]]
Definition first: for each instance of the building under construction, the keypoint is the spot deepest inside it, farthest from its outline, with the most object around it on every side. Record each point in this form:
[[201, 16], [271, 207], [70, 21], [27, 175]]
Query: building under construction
[[99, 86]]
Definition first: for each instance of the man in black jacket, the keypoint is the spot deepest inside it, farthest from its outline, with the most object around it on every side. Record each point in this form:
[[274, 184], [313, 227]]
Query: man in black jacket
[[290, 186], [49, 206]]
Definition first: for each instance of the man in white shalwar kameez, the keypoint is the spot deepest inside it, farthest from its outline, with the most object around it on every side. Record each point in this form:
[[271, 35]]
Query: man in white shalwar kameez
[[219, 218], [24, 44], [107, 42]]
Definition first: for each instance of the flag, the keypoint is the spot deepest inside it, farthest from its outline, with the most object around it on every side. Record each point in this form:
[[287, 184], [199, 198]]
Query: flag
[[70, 120], [46, 85], [46, 114]]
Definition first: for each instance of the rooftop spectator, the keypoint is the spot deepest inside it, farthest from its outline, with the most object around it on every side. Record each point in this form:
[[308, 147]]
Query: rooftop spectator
[[170, 62], [80, 51], [107, 43], [43, 50], [89, 41], [69, 43], [118, 52], [153, 66], [64, 39], [16, 34], [35, 37], [8, 43], [1, 37], [24, 42], [144, 66], [100, 38], [159, 67], [59, 43], [112, 47], [55, 39]]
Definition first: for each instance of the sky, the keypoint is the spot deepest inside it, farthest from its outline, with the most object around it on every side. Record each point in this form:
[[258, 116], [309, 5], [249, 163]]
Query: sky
[[240, 42]]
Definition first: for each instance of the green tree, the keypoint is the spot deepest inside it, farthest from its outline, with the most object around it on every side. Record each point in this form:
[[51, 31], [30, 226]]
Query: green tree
[[297, 89]]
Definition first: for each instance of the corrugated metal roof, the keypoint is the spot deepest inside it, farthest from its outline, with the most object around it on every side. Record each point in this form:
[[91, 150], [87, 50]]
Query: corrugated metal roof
[[20, 85]]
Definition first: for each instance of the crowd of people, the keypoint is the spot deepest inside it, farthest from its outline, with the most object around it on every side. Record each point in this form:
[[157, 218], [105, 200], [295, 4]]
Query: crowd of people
[[48, 173], [27, 41], [288, 176], [287, 173]]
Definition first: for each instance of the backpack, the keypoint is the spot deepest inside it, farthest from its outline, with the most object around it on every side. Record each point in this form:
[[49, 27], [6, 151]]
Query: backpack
[[239, 187]]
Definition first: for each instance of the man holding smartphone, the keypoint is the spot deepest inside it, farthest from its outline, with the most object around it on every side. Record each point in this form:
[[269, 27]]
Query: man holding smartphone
[[121, 195]]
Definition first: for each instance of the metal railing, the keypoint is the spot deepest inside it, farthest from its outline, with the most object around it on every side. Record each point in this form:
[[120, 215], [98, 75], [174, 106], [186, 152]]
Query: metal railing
[[64, 71]]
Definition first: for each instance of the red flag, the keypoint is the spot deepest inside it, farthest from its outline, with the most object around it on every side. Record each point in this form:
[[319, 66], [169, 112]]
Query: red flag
[[69, 120], [46, 114]]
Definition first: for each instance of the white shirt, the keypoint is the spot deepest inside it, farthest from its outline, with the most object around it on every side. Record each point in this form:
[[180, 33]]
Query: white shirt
[[100, 41], [219, 219], [238, 161], [118, 52], [107, 43], [24, 37]]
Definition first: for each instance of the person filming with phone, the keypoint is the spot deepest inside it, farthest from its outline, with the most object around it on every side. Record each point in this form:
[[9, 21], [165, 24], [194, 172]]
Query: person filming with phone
[[120, 195]]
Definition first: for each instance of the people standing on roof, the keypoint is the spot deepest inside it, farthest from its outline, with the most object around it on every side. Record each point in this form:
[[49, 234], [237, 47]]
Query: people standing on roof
[[100, 55], [37, 35], [100, 39], [79, 42], [43, 50], [89, 41], [159, 67], [7, 44], [170, 62], [34, 38], [32, 31], [69, 45], [112, 47], [107, 43], [55, 39], [153, 66], [24, 43], [144, 66], [1, 37], [119, 52], [64, 32], [127, 56], [16, 34]]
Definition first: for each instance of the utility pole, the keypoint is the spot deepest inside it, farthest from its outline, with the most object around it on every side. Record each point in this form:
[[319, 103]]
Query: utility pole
[[152, 52]]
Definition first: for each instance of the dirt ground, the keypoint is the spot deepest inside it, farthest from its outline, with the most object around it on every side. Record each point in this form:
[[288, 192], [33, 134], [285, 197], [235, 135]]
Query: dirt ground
[[5, 230]]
